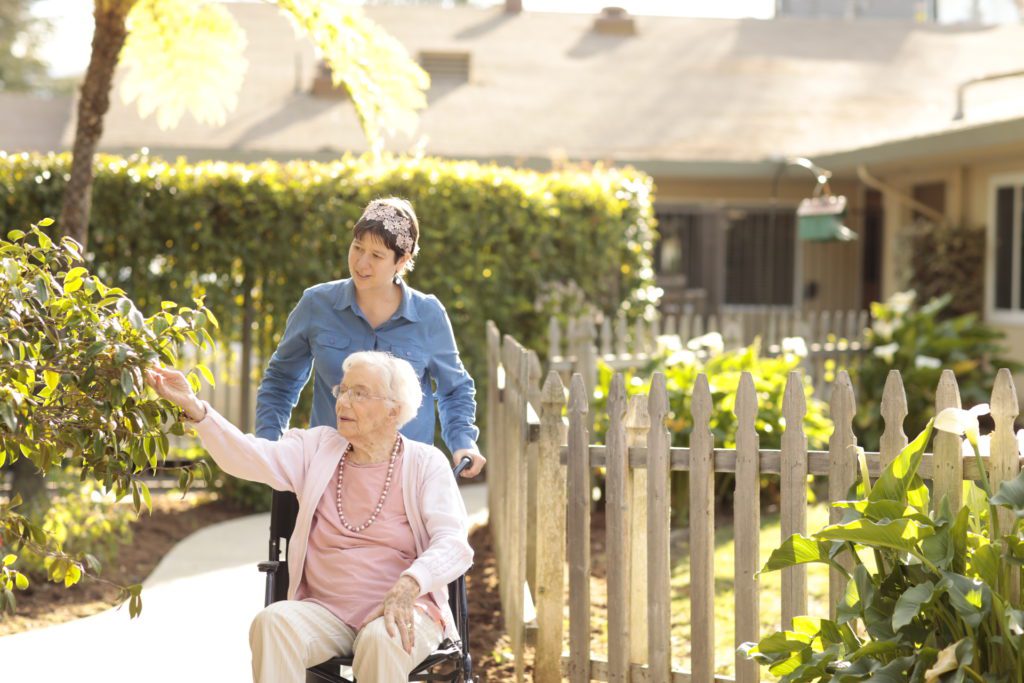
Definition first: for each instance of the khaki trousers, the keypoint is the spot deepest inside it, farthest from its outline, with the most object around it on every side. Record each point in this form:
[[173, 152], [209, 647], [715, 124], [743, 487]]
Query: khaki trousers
[[289, 636]]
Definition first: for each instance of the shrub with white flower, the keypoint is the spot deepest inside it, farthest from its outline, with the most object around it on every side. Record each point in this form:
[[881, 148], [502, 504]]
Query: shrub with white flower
[[920, 340]]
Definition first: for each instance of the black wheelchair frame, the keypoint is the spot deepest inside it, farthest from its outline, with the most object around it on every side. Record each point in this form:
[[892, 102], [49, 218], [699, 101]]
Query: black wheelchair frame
[[451, 661]]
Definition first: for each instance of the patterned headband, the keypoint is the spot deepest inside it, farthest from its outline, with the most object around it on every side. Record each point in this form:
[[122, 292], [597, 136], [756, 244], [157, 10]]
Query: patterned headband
[[394, 222]]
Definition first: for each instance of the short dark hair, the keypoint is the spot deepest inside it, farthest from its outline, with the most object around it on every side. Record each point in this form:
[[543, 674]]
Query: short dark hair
[[371, 226]]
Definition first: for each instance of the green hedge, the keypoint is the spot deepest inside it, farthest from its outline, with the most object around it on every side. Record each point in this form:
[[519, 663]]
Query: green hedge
[[493, 237]]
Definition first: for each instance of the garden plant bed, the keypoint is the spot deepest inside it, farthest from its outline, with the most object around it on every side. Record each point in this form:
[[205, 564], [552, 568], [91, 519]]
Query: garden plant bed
[[173, 518]]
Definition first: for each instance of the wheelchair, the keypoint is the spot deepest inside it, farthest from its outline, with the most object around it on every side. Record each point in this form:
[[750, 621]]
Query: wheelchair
[[451, 661]]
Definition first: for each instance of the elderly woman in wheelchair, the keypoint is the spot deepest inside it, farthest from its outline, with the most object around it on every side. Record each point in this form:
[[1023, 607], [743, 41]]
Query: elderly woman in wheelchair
[[381, 528]]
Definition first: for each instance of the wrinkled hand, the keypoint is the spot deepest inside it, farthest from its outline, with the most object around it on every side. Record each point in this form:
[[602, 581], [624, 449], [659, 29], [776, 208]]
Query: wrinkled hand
[[397, 610], [478, 462], [173, 386]]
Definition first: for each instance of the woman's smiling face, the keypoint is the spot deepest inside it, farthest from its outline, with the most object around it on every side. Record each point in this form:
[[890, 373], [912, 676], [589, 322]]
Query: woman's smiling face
[[371, 263]]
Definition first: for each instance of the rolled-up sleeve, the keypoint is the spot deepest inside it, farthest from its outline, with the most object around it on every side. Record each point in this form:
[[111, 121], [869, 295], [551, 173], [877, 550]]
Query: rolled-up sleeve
[[456, 392], [286, 374]]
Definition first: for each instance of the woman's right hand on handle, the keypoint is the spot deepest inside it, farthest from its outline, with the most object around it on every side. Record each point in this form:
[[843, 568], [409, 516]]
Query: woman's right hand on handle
[[173, 386]]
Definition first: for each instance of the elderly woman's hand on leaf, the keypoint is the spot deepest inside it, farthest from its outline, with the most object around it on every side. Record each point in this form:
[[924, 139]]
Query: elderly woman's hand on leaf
[[173, 386], [398, 610]]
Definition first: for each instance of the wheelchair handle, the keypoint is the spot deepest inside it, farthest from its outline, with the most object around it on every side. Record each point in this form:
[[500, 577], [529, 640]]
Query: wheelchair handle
[[463, 464]]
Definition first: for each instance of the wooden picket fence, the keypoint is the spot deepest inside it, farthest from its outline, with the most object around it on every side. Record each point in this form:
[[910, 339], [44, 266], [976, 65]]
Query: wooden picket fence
[[833, 339], [541, 464]]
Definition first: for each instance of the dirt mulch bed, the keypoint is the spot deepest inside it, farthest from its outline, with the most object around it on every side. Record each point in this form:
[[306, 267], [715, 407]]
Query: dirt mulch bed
[[45, 604]]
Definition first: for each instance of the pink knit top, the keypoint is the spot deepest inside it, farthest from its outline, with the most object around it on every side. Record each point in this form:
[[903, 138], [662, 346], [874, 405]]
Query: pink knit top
[[349, 572]]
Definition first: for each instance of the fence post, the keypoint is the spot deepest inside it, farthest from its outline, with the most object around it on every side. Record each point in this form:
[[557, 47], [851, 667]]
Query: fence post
[[638, 424], [894, 412], [585, 353], [621, 334], [550, 533], [842, 469], [495, 442], [947, 461], [618, 487], [747, 528], [659, 570], [528, 489], [702, 535], [516, 623], [578, 525], [1005, 460], [794, 494], [554, 338]]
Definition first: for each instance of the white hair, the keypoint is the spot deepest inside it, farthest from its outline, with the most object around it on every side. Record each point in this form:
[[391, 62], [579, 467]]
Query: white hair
[[403, 386]]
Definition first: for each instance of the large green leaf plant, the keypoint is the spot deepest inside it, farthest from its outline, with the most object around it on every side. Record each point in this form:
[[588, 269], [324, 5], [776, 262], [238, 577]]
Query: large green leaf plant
[[929, 597], [72, 356]]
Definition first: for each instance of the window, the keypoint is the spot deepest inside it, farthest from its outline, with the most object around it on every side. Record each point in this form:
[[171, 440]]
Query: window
[[759, 251], [1007, 284], [737, 256]]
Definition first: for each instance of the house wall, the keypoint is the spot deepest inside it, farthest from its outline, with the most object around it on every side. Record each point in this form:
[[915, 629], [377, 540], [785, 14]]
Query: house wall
[[832, 270], [969, 198]]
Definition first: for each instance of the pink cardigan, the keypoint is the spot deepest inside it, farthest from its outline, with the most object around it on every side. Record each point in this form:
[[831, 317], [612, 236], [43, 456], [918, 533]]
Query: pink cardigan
[[303, 462]]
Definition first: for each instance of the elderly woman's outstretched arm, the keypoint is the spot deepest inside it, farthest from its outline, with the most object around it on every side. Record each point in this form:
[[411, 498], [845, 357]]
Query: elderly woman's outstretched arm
[[279, 464]]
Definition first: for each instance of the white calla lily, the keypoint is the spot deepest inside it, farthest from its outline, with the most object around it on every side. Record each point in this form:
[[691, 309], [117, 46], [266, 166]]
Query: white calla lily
[[962, 422], [795, 345], [886, 351]]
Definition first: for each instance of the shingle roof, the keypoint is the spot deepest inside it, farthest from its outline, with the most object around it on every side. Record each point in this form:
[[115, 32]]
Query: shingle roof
[[681, 90]]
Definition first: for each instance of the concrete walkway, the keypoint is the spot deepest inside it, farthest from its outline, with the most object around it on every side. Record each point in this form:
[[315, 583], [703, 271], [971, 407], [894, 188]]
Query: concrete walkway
[[197, 605]]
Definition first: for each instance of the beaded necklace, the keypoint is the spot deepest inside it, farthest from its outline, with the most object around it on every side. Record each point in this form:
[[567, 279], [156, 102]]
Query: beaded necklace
[[383, 494]]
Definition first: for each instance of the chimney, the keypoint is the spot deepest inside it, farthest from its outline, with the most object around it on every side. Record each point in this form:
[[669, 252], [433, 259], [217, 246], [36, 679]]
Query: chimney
[[615, 21], [513, 6]]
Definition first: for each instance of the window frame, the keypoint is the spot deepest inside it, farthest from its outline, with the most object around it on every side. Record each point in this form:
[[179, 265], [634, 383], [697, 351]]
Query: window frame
[[1015, 314]]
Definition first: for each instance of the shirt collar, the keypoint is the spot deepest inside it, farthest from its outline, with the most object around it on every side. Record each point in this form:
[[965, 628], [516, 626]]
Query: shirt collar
[[406, 309]]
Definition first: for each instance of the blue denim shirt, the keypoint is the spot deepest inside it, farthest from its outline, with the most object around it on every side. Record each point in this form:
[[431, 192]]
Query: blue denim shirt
[[326, 326]]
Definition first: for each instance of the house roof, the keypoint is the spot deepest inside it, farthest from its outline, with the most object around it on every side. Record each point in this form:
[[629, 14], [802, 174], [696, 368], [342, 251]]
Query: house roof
[[682, 96]]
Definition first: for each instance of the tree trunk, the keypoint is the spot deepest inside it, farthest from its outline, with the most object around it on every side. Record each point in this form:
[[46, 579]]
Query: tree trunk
[[74, 217], [27, 481], [93, 103]]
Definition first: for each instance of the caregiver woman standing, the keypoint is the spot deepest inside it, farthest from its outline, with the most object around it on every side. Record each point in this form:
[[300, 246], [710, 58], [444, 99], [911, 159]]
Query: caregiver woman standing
[[373, 310]]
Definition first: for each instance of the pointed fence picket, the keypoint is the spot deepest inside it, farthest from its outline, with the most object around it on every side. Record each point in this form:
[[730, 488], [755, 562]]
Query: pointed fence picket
[[638, 458]]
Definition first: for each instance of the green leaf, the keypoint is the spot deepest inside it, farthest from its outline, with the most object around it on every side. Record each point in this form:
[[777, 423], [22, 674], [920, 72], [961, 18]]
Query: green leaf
[[45, 223], [986, 563], [136, 319], [21, 581], [796, 550], [900, 534], [971, 598], [76, 273], [9, 559], [896, 479], [908, 606], [1011, 495], [207, 375]]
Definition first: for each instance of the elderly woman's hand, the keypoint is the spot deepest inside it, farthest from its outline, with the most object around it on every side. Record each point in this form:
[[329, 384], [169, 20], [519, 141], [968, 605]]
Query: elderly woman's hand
[[173, 386], [397, 610]]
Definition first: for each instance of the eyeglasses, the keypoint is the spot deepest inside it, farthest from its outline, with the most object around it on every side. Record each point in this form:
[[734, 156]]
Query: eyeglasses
[[355, 394]]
